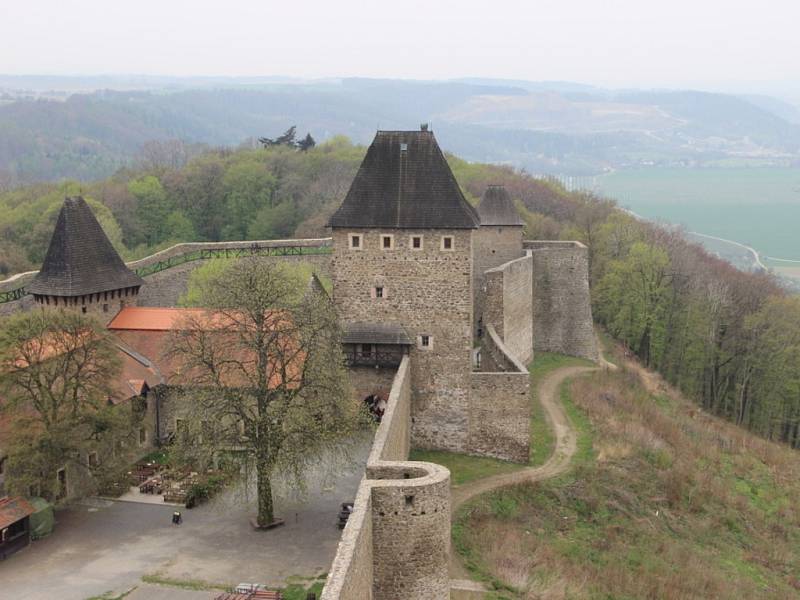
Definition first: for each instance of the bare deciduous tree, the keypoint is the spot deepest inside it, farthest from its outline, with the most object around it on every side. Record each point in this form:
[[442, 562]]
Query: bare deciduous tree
[[267, 377]]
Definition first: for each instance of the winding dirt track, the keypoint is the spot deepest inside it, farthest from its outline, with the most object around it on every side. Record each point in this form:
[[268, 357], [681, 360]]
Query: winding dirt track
[[565, 447]]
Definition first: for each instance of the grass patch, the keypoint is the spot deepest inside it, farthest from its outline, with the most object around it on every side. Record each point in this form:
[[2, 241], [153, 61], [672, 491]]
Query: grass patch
[[112, 595], [464, 468], [185, 584], [542, 436], [298, 588], [581, 424]]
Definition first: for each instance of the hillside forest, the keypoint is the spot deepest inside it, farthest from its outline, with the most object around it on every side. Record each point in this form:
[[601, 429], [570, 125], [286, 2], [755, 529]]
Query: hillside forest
[[729, 340]]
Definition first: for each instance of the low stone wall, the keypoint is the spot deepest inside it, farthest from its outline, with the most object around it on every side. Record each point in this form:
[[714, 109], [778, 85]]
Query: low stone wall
[[508, 305], [188, 247], [397, 540], [562, 311], [500, 408]]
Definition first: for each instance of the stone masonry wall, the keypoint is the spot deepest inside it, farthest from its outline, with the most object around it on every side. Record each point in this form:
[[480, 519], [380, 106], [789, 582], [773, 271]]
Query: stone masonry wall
[[428, 291], [397, 540], [166, 287], [562, 312], [508, 305], [366, 381], [492, 247], [500, 408]]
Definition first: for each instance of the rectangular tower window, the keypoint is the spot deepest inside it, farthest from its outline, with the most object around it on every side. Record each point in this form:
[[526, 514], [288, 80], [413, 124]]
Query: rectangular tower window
[[447, 242], [355, 241], [387, 242], [416, 242], [425, 341], [379, 291]]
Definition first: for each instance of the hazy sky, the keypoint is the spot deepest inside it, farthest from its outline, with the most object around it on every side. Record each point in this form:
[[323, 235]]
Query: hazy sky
[[665, 43]]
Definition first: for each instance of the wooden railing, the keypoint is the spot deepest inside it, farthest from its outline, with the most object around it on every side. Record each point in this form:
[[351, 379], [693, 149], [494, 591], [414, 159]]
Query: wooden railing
[[377, 358]]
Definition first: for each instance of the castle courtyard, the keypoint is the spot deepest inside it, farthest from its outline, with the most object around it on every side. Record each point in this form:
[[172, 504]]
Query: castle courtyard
[[100, 546]]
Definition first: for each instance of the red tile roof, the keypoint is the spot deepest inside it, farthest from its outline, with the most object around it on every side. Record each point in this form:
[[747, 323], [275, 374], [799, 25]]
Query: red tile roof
[[143, 318], [13, 509]]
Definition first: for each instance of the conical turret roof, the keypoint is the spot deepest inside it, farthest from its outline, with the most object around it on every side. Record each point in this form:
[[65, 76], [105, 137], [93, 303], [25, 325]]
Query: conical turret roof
[[497, 208], [81, 259], [405, 182]]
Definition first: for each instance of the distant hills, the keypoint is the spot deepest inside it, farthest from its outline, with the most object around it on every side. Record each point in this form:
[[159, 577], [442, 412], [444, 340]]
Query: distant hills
[[86, 128]]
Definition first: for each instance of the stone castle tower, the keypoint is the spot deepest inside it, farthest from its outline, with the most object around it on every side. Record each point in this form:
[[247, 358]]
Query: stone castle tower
[[402, 261], [497, 241], [82, 270]]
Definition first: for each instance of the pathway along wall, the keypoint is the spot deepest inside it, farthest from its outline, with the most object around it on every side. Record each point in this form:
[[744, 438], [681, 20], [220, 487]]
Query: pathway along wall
[[562, 310], [397, 540]]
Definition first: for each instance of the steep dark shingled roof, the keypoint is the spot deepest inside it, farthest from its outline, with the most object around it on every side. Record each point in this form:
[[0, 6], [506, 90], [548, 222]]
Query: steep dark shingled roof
[[497, 208], [411, 188], [375, 333], [81, 259]]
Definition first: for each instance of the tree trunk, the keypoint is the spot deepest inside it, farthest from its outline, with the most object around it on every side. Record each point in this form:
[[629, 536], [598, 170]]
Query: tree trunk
[[266, 514]]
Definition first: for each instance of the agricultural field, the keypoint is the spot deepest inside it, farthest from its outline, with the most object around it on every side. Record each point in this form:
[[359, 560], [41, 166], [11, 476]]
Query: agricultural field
[[758, 207]]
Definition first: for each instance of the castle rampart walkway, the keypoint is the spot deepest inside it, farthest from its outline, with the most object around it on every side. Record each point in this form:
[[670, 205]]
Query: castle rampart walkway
[[13, 288]]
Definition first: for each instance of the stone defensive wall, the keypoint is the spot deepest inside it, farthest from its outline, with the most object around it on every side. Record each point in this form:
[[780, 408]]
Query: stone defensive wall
[[166, 273], [500, 408], [396, 543], [508, 305], [562, 311]]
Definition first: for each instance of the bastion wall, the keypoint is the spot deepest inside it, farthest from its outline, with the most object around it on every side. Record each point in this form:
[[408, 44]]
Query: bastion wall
[[397, 540], [562, 311], [508, 305]]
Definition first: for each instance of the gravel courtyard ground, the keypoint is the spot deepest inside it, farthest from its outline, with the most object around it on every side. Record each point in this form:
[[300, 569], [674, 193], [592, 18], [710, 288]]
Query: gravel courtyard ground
[[101, 546]]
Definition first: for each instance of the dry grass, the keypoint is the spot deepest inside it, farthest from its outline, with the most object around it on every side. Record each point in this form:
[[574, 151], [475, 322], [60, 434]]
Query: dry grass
[[675, 505]]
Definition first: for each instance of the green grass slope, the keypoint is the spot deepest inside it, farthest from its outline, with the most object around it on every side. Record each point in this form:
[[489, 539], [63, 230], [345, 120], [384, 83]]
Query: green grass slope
[[663, 501]]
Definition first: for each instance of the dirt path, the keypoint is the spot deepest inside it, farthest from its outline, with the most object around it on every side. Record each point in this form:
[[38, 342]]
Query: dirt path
[[565, 446]]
